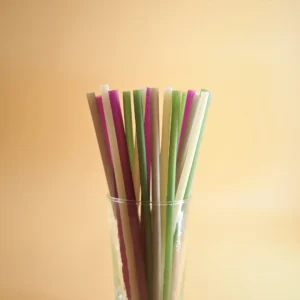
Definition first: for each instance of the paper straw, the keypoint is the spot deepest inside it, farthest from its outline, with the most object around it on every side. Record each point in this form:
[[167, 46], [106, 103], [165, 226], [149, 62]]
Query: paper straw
[[136, 171], [129, 190], [104, 147], [187, 109], [155, 151], [182, 153], [128, 126], [121, 192], [182, 107], [171, 193], [146, 213]]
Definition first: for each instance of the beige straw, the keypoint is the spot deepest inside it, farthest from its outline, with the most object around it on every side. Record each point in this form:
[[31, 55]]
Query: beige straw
[[121, 192], [187, 137], [182, 183], [178, 249], [164, 161], [108, 169]]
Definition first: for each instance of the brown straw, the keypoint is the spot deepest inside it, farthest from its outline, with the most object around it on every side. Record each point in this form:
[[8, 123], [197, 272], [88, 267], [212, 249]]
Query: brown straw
[[108, 169], [186, 137], [110, 178], [155, 149]]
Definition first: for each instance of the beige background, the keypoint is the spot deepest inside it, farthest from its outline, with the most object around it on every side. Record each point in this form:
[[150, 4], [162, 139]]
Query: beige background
[[54, 242]]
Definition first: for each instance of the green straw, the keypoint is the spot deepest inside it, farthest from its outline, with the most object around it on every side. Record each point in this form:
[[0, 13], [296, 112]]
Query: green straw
[[191, 176], [171, 193], [146, 213], [128, 126], [182, 106]]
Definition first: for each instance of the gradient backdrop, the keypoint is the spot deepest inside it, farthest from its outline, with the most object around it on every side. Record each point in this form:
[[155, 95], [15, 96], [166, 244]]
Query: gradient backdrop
[[54, 242]]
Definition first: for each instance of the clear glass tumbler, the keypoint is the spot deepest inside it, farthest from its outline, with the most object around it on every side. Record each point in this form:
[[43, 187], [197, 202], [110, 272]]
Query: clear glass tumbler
[[148, 248]]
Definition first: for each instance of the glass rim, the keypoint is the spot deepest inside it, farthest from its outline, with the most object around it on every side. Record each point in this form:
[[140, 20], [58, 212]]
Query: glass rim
[[126, 201]]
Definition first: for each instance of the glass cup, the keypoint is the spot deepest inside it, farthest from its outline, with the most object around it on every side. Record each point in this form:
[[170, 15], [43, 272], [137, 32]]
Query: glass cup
[[148, 248]]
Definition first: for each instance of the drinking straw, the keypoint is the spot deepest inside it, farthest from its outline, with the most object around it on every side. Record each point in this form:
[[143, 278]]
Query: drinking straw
[[136, 171], [104, 147], [145, 212], [192, 172], [187, 109], [183, 180], [142, 220], [108, 169], [147, 128], [171, 193], [134, 292], [105, 133], [122, 144], [147, 132], [116, 210], [187, 174], [164, 160], [194, 111], [129, 192], [128, 126], [155, 149], [182, 107]]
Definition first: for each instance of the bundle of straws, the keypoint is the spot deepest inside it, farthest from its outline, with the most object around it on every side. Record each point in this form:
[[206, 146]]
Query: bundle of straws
[[147, 170]]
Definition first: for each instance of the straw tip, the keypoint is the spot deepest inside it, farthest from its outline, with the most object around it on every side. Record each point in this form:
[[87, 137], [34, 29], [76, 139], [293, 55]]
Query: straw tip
[[137, 92], [176, 94], [104, 88], [98, 98], [191, 91], [206, 94], [154, 91], [113, 95], [168, 89]]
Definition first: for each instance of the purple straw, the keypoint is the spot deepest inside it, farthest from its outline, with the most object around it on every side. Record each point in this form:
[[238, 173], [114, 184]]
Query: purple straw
[[130, 194], [115, 206]]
